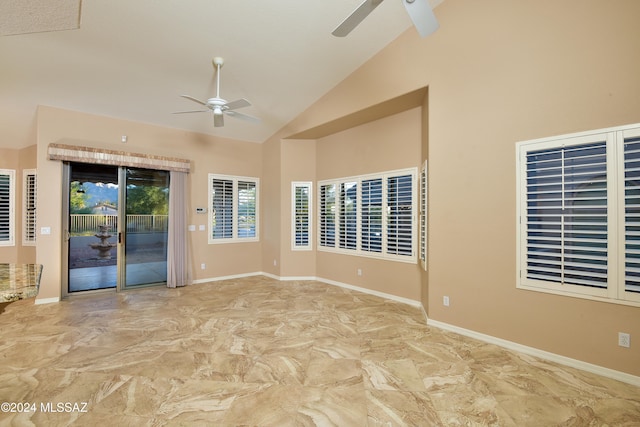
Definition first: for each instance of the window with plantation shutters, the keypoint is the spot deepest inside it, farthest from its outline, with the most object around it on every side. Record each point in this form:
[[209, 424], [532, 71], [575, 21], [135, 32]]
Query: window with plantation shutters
[[579, 214], [373, 215], [29, 207], [7, 178], [567, 214], [233, 209], [301, 215]]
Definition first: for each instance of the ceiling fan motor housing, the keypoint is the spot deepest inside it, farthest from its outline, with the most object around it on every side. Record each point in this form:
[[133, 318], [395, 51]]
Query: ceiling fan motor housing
[[216, 103]]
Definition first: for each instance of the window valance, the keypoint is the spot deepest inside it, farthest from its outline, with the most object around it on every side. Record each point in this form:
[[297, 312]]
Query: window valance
[[73, 153]]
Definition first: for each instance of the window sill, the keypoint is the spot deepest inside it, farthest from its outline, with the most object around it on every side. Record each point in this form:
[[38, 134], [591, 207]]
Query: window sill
[[579, 295]]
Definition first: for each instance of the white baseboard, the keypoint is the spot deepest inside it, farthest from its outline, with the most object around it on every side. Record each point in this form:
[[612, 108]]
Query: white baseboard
[[294, 278], [271, 276], [231, 277], [407, 301], [531, 351], [46, 300]]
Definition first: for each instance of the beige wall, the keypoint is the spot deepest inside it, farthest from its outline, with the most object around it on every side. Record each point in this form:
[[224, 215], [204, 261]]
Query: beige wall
[[499, 72], [390, 143], [355, 149], [270, 207], [386, 144], [207, 154], [298, 163]]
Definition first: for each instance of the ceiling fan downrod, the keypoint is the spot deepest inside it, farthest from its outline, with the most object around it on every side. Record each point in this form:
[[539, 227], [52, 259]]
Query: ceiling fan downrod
[[218, 62]]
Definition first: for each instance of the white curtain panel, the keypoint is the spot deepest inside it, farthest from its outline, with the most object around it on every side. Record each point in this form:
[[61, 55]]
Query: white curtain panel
[[178, 264]]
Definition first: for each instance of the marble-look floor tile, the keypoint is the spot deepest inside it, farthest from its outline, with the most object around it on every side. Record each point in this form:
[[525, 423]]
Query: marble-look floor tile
[[400, 408], [260, 352], [280, 367], [332, 373], [333, 406], [264, 405], [392, 375]]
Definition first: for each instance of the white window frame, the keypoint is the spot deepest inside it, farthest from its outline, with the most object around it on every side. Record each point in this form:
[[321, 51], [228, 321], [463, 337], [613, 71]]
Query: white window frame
[[299, 215], [235, 234], [358, 250], [10, 207], [614, 290], [29, 212]]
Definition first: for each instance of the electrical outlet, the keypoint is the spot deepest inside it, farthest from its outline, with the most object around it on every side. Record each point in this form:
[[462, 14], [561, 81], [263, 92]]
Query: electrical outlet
[[624, 339], [359, 272], [445, 301], [203, 266]]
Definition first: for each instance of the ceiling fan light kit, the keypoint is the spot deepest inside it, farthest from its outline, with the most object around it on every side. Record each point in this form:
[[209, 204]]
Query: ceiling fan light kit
[[419, 11], [219, 106]]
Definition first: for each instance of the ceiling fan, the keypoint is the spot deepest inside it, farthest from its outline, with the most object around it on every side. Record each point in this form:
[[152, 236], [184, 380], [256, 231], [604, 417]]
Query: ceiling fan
[[219, 106], [419, 10]]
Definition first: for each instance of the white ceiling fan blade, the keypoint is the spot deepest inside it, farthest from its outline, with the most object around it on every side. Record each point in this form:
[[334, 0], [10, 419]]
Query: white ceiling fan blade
[[218, 120], [242, 116], [191, 111], [422, 16], [194, 99], [356, 17], [239, 103]]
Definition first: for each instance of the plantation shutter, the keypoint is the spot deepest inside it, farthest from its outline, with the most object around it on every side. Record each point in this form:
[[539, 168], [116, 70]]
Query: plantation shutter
[[632, 214], [246, 209], [371, 216], [222, 209], [400, 215], [6, 207], [423, 214], [327, 215], [301, 215], [348, 229], [566, 219], [29, 223]]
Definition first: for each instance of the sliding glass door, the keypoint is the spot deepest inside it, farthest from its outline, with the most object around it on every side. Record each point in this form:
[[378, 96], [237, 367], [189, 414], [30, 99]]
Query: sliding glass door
[[117, 227], [146, 225]]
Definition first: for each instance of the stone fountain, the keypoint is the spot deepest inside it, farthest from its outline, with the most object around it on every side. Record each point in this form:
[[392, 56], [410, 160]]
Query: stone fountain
[[104, 247]]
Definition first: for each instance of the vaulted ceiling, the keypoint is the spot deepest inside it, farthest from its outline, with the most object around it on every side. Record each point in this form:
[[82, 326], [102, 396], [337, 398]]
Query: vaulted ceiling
[[133, 60]]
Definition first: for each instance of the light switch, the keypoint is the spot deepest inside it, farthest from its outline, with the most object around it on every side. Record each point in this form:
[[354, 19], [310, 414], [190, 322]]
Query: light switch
[[201, 228], [45, 230], [192, 228]]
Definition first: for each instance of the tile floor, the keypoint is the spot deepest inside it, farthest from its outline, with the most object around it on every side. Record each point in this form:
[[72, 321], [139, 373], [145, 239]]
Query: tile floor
[[258, 352]]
